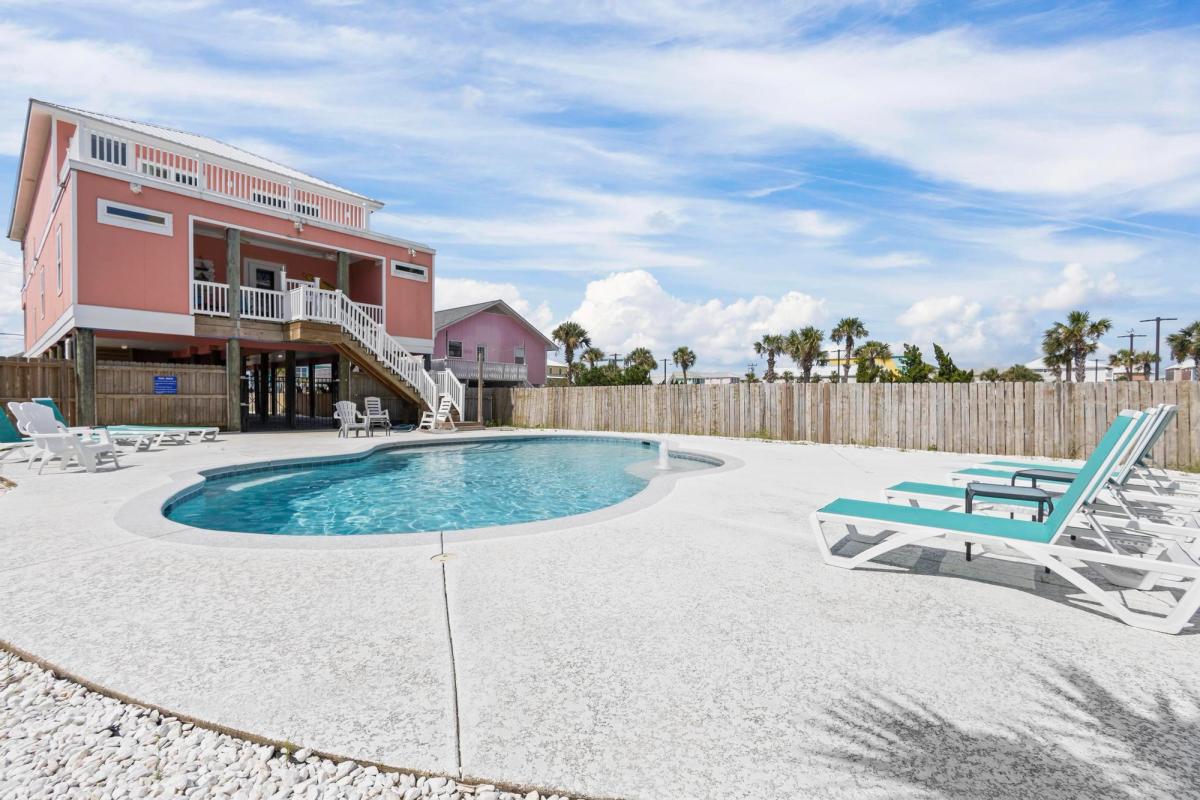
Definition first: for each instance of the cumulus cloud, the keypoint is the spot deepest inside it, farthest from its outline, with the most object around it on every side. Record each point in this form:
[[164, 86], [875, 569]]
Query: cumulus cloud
[[820, 225], [454, 292], [631, 309], [967, 329]]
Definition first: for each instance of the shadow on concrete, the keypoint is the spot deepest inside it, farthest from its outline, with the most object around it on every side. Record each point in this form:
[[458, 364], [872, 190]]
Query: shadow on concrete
[[1087, 741]]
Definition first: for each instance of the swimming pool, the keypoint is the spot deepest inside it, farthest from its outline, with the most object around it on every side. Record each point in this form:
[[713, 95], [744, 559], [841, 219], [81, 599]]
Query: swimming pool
[[431, 488]]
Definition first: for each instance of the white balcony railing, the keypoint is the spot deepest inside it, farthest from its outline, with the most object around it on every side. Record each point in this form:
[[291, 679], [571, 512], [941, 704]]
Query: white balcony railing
[[264, 304], [373, 311], [467, 369], [210, 298], [208, 174]]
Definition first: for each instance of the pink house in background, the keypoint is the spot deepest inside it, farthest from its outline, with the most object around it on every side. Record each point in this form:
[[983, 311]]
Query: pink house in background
[[146, 243], [514, 351]]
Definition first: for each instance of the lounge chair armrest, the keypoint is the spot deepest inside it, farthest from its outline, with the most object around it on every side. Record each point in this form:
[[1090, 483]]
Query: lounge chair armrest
[[1035, 475]]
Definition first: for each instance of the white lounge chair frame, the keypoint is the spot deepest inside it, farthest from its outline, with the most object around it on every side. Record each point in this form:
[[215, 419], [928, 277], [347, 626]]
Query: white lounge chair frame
[[1064, 560], [434, 421]]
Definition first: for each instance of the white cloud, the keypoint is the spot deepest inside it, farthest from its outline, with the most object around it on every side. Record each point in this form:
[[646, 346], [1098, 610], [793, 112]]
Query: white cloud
[[454, 292], [632, 309], [895, 260], [820, 225], [969, 330], [12, 319]]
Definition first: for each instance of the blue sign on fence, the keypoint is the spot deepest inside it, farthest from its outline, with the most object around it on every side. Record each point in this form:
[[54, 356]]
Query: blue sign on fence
[[166, 384]]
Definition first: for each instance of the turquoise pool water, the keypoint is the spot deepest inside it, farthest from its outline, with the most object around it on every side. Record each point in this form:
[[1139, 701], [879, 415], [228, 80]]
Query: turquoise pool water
[[437, 488]]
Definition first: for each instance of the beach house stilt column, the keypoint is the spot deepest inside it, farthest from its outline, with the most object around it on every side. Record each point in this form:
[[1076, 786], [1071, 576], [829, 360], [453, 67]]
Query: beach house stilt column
[[233, 273], [343, 363], [233, 384], [85, 376]]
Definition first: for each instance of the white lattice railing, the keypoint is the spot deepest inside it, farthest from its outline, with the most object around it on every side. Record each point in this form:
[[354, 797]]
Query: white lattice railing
[[210, 298], [448, 384], [264, 304], [209, 174], [373, 311]]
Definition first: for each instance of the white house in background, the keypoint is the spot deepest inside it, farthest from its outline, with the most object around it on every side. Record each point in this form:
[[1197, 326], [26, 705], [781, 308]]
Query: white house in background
[[1096, 373], [556, 372], [709, 378], [1182, 371]]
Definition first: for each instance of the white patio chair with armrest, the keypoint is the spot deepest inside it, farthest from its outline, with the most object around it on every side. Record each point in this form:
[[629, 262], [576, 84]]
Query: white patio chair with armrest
[[349, 418], [433, 420], [377, 415], [68, 448]]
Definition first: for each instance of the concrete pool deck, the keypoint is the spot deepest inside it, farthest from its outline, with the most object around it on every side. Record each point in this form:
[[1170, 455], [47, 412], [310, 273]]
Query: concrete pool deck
[[694, 647]]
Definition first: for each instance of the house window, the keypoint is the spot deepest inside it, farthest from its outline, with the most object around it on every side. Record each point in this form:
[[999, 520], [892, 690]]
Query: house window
[[58, 255], [122, 215], [307, 210], [519, 355], [413, 272], [454, 349], [480, 352], [108, 149]]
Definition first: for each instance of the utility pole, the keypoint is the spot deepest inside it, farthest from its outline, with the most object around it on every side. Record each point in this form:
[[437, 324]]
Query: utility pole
[[614, 357], [1096, 370], [1130, 335], [665, 360], [1158, 321]]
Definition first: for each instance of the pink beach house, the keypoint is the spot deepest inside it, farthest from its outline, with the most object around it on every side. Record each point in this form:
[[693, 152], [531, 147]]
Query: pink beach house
[[513, 349], [146, 243]]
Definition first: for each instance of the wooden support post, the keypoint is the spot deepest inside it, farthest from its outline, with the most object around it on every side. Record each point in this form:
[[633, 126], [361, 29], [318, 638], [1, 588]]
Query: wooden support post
[[343, 373], [233, 385], [85, 376], [343, 272], [289, 387], [233, 273], [479, 385]]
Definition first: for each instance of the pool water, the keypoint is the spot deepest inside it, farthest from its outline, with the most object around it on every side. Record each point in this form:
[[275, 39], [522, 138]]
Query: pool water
[[437, 488]]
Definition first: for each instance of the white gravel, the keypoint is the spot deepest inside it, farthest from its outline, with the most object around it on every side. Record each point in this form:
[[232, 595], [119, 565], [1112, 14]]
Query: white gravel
[[60, 740]]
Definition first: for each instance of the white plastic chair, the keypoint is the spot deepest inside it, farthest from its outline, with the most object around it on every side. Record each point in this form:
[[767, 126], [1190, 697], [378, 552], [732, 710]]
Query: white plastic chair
[[433, 420], [377, 415], [347, 414], [68, 448]]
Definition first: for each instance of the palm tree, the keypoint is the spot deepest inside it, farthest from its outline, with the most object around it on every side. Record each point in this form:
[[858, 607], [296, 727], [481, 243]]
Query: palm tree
[[1146, 360], [788, 376], [641, 357], [1076, 339], [1125, 359], [846, 331], [871, 356], [770, 345], [1185, 344], [570, 336], [807, 348], [684, 358], [593, 356]]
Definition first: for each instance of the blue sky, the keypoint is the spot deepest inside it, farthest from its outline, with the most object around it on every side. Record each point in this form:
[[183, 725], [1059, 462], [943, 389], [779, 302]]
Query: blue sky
[[698, 173]]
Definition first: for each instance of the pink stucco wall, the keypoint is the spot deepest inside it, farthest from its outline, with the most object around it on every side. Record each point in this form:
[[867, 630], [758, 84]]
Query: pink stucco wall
[[140, 270], [41, 243], [501, 335]]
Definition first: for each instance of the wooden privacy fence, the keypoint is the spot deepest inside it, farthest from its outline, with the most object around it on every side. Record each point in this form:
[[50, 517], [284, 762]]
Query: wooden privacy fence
[[22, 379], [1055, 420], [125, 394]]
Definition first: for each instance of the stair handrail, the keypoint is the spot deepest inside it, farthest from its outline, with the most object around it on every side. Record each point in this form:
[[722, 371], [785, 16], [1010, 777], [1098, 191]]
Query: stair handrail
[[449, 385]]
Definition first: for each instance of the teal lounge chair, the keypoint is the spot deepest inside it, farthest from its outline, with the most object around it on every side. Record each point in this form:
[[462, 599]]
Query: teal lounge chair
[[11, 440], [1033, 542]]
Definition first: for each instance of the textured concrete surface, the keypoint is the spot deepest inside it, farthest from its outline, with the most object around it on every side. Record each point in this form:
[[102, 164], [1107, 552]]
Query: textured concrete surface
[[695, 647]]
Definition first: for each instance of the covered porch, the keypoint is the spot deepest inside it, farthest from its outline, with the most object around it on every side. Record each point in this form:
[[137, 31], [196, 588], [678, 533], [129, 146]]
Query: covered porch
[[272, 276]]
